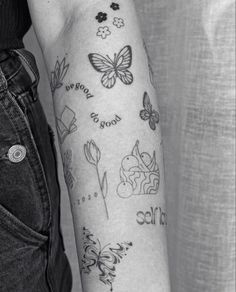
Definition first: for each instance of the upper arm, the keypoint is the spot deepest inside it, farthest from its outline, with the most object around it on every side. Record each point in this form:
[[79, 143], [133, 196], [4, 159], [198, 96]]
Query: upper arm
[[50, 17]]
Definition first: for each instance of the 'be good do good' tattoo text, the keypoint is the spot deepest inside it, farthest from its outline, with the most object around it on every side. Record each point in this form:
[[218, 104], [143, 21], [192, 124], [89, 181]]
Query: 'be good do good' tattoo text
[[105, 124], [139, 174], [79, 87]]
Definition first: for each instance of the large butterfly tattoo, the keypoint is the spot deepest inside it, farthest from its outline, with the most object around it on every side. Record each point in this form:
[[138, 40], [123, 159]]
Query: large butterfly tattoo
[[114, 68], [104, 259]]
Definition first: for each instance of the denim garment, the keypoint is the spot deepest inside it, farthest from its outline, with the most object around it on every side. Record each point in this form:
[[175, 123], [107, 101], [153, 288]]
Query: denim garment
[[32, 257]]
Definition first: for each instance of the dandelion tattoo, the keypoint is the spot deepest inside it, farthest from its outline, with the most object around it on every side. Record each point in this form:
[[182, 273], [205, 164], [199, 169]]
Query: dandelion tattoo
[[148, 113], [139, 174], [102, 258], [66, 123], [93, 156], [113, 69], [58, 75], [67, 161]]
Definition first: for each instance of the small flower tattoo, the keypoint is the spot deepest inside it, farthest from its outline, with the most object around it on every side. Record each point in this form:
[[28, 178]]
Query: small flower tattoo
[[101, 16], [115, 6], [103, 32], [118, 22]]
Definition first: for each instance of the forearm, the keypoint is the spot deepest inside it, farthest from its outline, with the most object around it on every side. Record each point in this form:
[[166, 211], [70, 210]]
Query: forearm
[[111, 149]]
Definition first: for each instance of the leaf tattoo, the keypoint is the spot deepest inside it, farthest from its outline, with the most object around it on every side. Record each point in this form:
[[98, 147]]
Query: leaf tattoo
[[113, 69], [67, 161], [148, 113], [105, 258], [58, 75]]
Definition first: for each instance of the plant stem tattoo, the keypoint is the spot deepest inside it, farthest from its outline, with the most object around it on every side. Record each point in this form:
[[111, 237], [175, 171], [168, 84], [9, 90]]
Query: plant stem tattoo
[[93, 156], [59, 73], [113, 69], [104, 258], [66, 123], [148, 113], [139, 174], [67, 161]]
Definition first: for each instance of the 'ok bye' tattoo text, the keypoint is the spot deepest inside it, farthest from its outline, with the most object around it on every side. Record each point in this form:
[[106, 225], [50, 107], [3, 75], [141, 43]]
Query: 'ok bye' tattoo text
[[102, 258], [113, 68], [139, 174]]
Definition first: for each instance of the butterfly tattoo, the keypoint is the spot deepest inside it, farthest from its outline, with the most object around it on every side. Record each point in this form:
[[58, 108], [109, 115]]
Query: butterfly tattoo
[[113, 69], [148, 113], [104, 258]]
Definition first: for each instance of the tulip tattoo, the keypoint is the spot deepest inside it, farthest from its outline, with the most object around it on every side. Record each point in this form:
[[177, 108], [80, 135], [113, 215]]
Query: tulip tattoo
[[58, 75], [93, 156]]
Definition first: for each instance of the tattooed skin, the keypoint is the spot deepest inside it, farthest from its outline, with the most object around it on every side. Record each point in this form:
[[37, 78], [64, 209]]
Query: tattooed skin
[[58, 75], [93, 156], [154, 216], [67, 166], [66, 123], [102, 258], [148, 114], [139, 174], [113, 69]]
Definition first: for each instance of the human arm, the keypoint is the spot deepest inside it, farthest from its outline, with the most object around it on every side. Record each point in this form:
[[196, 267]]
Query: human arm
[[114, 171]]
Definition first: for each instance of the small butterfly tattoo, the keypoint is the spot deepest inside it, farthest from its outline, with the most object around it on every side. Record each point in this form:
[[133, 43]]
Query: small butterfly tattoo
[[113, 69], [148, 113], [103, 259]]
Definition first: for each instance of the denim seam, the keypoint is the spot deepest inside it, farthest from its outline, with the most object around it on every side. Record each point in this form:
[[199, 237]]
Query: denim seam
[[24, 229], [14, 74]]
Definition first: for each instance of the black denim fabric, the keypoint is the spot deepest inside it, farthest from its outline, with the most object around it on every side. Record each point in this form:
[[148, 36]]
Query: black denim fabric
[[32, 257]]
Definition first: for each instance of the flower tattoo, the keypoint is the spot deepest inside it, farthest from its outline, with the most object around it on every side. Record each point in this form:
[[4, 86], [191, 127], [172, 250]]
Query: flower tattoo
[[148, 113], [101, 16], [103, 32], [93, 156], [115, 6], [118, 22], [58, 74]]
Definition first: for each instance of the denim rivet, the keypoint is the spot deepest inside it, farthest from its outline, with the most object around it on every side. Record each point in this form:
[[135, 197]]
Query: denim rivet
[[16, 153]]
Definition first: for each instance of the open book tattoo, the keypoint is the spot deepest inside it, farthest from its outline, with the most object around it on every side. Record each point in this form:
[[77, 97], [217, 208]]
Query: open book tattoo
[[105, 258], [113, 69]]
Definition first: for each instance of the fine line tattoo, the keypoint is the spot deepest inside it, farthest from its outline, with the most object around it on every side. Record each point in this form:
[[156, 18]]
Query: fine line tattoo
[[151, 73], [66, 123], [139, 174], [93, 156], [118, 22], [156, 216], [58, 75], [104, 258], [67, 166], [148, 113], [103, 32], [113, 69]]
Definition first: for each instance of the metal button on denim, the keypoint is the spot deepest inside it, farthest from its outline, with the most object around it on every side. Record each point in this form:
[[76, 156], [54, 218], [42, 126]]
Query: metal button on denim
[[16, 153]]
